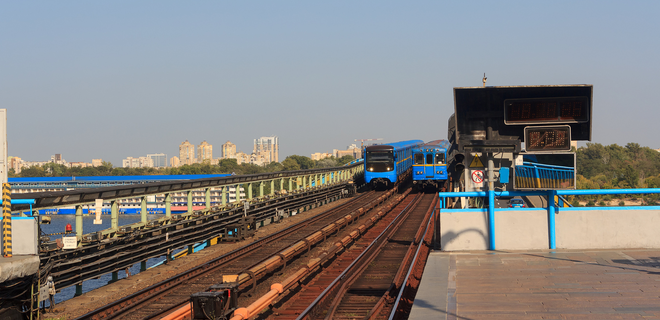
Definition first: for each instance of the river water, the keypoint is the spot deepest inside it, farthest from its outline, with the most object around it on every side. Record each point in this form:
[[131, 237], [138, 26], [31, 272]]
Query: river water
[[58, 224]]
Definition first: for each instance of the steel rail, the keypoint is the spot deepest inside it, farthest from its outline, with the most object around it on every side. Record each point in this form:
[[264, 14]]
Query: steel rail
[[363, 261], [339, 280], [118, 253], [107, 312], [412, 266]]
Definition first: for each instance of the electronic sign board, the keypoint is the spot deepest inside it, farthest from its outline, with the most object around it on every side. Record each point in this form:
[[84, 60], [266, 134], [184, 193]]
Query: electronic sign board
[[548, 138], [493, 119]]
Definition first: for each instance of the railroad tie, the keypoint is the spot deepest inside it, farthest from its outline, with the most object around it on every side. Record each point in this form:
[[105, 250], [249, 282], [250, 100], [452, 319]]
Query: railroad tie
[[6, 220]]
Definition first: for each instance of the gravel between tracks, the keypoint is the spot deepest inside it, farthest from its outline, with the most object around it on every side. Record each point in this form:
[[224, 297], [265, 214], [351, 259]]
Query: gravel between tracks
[[97, 298]]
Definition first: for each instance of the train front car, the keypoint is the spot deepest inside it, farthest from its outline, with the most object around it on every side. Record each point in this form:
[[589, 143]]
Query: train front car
[[383, 164], [430, 164]]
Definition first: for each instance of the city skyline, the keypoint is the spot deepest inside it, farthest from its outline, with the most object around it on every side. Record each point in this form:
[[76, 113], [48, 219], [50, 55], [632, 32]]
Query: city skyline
[[112, 80]]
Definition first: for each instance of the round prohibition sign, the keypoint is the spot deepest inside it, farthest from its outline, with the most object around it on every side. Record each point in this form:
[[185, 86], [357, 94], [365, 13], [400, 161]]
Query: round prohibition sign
[[478, 176]]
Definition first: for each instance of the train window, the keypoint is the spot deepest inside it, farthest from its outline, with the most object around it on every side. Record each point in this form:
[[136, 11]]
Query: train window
[[382, 156], [440, 158], [429, 158], [419, 158]]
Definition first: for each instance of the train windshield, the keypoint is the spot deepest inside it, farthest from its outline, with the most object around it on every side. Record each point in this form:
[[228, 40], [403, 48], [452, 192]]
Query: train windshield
[[380, 156], [440, 158], [419, 158]]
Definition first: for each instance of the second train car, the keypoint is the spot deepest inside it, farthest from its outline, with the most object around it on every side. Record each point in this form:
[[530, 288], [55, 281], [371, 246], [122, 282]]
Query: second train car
[[430, 164], [384, 163]]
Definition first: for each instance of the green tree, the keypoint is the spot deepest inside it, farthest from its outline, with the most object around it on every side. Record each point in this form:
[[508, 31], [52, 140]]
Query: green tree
[[326, 163], [33, 171], [344, 160], [631, 176], [274, 167], [229, 166], [303, 162], [290, 164]]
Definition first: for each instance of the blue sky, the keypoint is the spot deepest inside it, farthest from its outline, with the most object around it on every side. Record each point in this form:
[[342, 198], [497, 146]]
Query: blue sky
[[123, 78]]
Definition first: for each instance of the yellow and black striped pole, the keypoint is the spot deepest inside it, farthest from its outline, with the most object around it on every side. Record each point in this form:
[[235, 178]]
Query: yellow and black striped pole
[[6, 220]]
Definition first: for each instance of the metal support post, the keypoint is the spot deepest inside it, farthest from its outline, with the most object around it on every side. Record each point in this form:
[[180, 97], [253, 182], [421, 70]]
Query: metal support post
[[290, 184], [249, 186], [168, 205], [190, 200], [208, 198], [551, 218], [143, 266], [114, 215], [304, 182], [143, 210], [79, 290], [223, 194], [272, 186], [79, 222], [261, 188], [491, 202]]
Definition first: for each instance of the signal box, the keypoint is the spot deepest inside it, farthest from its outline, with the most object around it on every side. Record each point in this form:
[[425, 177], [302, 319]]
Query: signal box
[[493, 119]]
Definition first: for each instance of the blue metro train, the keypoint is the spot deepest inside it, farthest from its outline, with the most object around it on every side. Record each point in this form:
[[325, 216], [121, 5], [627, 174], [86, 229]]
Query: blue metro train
[[430, 164], [384, 163]]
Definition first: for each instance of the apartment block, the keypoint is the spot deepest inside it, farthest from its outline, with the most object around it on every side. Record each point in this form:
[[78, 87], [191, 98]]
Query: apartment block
[[186, 153]]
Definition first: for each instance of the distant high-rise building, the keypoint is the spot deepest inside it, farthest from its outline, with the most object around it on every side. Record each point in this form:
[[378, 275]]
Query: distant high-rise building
[[141, 162], [242, 157], [57, 159], [352, 150], [97, 162], [174, 162], [228, 150], [186, 153], [15, 163], [321, 155], [160, 159], [267, 148], [204, 152]]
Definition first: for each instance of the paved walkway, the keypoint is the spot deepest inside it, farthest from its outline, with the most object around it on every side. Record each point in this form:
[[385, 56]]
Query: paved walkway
[[550, 284]]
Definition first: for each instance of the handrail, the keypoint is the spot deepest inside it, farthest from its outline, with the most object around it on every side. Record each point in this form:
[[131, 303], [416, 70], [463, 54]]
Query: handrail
[[550, 208], [80, 196]]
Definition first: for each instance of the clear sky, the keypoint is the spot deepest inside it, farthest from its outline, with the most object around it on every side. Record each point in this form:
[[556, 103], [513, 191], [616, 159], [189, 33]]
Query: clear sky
[[112, 79]]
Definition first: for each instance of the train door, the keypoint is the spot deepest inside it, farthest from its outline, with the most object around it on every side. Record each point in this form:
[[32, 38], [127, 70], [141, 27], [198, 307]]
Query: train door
[[429, 167], [440, 163]]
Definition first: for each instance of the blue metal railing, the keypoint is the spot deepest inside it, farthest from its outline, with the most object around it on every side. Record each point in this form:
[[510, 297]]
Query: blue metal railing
[[551, 204], [542, 176]]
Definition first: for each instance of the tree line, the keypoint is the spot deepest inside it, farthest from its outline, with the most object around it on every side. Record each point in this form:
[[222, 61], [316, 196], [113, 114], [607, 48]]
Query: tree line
[[617, 167], [293, 162]]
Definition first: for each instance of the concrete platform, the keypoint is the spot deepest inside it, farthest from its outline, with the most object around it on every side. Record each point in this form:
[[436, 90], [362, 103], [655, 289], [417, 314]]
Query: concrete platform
[[18, 267], [547, 284]]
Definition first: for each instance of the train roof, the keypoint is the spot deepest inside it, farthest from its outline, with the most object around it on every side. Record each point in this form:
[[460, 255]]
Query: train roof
[[434, 144], [395, 145]]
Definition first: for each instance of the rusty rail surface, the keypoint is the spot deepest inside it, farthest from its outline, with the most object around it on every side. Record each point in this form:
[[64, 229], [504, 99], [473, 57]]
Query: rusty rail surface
[[198, 279]]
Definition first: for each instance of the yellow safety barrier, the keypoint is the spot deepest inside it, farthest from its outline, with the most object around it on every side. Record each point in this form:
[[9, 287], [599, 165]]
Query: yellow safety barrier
[[6, 220]]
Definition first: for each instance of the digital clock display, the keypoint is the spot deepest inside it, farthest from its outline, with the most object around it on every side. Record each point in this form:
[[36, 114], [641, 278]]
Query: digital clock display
[[548, 138], [547, 110]]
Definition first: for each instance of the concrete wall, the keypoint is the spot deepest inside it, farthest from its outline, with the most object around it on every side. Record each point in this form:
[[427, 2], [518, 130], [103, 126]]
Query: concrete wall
[[604, 229], [576, 228], [24, 236], [515, 229]]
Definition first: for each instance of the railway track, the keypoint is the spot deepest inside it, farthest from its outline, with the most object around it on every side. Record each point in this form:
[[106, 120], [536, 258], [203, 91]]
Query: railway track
[[364, 282], [170, 294]]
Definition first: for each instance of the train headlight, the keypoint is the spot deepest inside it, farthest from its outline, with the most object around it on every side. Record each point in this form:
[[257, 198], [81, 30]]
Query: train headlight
[[388, 168]]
